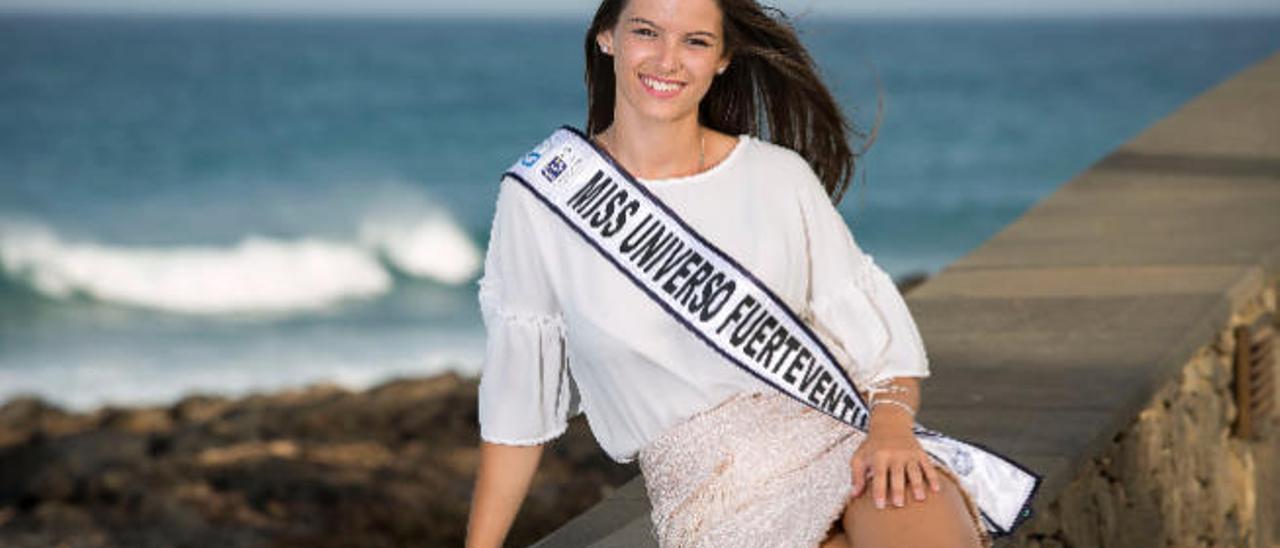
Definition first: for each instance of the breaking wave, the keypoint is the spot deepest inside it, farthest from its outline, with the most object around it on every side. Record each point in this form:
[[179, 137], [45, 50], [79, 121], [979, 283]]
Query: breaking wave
[[256, 274]]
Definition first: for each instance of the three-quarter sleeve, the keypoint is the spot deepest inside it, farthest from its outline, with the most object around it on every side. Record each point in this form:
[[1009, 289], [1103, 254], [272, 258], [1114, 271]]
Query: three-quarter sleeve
[[854, 304], [526, 393]]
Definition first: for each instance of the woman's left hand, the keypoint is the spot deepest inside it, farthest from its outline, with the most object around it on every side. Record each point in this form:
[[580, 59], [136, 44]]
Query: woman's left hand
[[894, 457]]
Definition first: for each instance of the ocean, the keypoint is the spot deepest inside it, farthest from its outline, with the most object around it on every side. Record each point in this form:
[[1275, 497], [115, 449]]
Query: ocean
[[226, 205]]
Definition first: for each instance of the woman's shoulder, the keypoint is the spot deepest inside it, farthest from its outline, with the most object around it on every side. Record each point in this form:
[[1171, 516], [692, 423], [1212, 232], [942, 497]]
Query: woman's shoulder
[[782, 164], [775, 157], [516, 204]]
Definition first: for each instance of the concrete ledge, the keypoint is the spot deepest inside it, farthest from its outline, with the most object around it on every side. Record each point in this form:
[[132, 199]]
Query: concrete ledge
[[1051, 340]]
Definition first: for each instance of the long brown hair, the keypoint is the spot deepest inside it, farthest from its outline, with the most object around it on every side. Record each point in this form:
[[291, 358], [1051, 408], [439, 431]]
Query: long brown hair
[[771, 80]]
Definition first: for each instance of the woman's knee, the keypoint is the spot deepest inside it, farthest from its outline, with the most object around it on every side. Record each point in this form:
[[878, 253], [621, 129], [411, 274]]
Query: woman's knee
[[941, 520]]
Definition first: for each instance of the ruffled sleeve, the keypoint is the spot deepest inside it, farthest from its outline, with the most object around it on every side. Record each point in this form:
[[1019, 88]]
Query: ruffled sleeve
[[526, 393], [854, 304]]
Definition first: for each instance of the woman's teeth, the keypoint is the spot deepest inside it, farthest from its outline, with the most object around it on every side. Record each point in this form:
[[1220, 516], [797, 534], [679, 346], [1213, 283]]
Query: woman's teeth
[[658, 85]]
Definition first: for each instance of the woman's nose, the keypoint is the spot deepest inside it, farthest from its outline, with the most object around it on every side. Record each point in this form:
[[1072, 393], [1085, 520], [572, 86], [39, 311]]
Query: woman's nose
[[667, 57]]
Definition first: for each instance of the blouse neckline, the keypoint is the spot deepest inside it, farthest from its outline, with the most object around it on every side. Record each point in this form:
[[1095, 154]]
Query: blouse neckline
[[743, 139]]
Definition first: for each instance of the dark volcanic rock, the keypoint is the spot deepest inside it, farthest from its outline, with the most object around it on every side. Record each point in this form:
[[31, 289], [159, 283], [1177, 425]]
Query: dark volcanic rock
[[318, 466]]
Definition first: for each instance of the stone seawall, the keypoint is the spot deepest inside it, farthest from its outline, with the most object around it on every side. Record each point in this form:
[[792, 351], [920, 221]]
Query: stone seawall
[[1177, 476]]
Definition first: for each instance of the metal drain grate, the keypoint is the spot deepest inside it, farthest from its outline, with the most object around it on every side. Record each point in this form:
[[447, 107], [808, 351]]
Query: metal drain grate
[[1254, 376]]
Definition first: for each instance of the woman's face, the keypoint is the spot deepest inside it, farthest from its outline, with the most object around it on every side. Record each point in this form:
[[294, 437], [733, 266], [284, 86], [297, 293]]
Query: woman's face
[[665, 55]]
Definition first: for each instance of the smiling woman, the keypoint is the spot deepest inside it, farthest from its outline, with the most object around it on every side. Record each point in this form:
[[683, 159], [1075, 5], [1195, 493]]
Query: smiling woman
[[680, 93], [730, 64], [673, 65]]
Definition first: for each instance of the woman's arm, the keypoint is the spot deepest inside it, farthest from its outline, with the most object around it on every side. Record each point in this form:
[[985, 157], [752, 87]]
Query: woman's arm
[[890, 417], [502, 481]]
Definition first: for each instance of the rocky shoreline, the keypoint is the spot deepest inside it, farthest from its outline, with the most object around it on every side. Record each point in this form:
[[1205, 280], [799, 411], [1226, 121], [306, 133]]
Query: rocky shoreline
[[317, 466]]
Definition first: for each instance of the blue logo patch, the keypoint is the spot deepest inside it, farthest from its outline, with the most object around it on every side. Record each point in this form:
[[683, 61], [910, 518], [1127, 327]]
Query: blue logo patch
[[530, 159], [553, 169], [961, 462]]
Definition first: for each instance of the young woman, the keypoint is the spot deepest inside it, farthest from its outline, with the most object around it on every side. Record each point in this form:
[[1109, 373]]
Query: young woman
[[678, 90]]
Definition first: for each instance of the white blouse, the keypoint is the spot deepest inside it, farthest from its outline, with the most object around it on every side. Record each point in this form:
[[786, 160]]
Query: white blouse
[[568, 333]]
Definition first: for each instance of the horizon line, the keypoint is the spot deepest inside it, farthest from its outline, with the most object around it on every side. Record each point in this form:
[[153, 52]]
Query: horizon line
[[573, 15]]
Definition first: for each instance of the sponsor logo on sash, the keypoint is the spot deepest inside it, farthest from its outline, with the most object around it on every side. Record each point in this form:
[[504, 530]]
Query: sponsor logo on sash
[[961, 462], [553, 169]]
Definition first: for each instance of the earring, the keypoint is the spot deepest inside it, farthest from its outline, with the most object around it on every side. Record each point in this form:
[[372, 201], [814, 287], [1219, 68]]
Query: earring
[[604, 50], [721, 69]]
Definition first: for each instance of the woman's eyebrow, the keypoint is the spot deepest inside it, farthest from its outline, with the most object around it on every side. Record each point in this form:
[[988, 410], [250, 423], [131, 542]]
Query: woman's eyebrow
[[644, 21]]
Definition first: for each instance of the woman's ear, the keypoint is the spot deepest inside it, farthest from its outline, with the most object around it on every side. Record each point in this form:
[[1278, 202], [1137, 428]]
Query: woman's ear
[[604, 39], [723, 65]]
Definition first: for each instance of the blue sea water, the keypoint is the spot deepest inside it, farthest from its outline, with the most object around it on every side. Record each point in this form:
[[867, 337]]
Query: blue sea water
[[222, 204]]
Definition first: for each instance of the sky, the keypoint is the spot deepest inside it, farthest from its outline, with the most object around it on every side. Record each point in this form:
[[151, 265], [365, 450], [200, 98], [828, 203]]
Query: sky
[[583, 8]]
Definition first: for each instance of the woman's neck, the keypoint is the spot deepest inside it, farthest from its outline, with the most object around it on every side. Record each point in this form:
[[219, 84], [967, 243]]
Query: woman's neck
[[657, 150]]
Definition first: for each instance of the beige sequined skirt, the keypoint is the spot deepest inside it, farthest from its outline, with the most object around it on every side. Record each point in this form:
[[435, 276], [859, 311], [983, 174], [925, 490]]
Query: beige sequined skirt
[[759, 469]]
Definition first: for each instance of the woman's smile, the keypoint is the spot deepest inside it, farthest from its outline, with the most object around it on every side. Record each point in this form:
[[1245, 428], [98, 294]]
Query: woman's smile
[[661, 87]]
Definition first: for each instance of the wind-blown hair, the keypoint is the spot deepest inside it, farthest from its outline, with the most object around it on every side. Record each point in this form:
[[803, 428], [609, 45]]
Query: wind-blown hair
[[771, 81]]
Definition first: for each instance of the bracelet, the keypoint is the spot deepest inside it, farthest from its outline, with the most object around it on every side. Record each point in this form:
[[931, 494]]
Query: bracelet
[[904, 406], [888, 389]]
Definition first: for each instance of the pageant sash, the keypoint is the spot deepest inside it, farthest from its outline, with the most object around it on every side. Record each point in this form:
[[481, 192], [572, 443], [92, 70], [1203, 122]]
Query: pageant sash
[[723, 304]]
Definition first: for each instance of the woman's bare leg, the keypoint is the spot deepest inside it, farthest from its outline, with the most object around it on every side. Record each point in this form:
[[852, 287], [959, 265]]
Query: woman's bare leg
[[836, 540], [941, 520]]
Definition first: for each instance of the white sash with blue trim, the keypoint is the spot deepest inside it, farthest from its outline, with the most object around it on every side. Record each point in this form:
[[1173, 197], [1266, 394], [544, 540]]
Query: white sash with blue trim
[[707, 291]]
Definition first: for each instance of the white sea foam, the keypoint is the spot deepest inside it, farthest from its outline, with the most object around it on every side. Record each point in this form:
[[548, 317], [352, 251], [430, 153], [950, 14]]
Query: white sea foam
[[431, 246], [390, 223], [256, 274]]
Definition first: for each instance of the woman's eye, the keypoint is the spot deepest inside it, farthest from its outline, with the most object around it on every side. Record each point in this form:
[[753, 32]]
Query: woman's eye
[[700, 42], [644, 32]]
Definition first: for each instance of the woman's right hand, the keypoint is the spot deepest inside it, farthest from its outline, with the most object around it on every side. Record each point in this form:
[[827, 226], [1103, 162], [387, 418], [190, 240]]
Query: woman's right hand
[[894, 459]]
